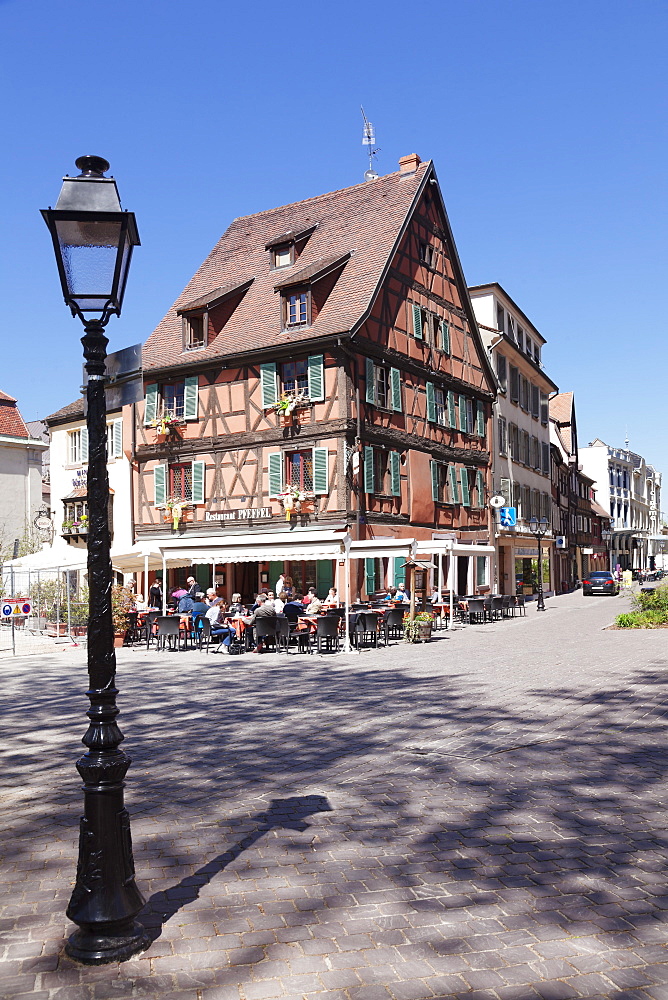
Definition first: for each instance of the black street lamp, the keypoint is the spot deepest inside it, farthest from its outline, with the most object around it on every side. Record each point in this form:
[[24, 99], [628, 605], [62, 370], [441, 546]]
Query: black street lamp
[[539, 529], [93, 241]]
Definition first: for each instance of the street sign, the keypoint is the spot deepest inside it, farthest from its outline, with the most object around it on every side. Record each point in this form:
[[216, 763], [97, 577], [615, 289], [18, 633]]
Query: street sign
[[508, 517], [497, 501], [13, 607]]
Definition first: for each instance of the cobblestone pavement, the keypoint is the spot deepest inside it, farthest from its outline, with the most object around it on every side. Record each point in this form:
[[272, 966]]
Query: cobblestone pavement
[[481, 817]]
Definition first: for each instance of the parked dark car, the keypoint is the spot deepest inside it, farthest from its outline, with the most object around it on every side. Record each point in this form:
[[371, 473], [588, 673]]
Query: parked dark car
[[600, 583]]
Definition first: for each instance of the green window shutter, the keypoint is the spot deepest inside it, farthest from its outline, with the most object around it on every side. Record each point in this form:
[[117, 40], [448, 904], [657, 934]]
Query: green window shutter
[[269, 385], [395, 473], [480, 484], [464, 480], [454, 485], [370, 576], [452, 410], [151, 403], [370, 381], [417, 322], [275, 466], [480, 419], [320, 470], [431, 402], [368, 470], [399, 570], [159, 484], [434, 480], [445, 336], [118, 438], [395, 389], [84, 445], [198, 482], [462, 413], [190, 400], [316, 378]]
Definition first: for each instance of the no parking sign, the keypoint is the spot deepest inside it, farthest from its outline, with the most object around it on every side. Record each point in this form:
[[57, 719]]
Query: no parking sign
[[13, 607]]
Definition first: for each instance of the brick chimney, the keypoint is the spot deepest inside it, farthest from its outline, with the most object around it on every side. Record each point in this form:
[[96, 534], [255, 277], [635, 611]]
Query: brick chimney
[[409, 164]]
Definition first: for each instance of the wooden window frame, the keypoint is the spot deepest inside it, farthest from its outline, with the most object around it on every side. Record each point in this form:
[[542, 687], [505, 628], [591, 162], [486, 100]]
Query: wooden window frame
[[306, 455], [275, 251], [173, 492], [188, 344], [285, 300]]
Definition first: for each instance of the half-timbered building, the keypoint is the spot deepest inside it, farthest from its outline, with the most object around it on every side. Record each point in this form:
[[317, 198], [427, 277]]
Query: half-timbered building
[[322, 370]]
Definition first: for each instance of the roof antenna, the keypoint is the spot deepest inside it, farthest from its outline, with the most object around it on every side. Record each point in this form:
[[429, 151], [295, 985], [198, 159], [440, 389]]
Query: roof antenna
[[369, 139]]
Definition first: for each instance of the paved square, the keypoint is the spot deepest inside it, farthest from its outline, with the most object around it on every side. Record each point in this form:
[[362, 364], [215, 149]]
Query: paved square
[[482, 817]]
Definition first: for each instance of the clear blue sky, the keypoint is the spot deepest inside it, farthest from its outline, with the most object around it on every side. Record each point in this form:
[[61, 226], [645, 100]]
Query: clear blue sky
[[546, 121]]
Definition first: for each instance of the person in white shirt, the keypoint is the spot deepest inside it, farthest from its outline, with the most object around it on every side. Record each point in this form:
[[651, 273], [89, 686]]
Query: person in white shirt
[[279, 602], [225, 633], [280, 585]]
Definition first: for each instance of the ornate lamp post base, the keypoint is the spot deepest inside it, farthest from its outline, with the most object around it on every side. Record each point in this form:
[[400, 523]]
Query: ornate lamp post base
[[92, 947]]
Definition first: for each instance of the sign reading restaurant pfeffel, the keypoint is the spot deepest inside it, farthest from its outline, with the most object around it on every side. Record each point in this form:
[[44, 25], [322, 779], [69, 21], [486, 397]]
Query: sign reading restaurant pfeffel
[[238, 515]]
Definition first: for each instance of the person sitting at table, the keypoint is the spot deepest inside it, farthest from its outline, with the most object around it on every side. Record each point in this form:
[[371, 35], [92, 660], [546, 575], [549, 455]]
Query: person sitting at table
[[435, 597], [140, 603], [314, 607], [212, 597], [200, 607], [332, 598], [391, 594], [236, 607], [220, 630], [270, 596], [193, 587], [265, 609], [279, 602], [403, 595], [294, 608]]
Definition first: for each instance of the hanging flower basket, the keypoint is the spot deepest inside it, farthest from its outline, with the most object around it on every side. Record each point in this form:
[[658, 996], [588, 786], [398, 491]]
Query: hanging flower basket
[[165, 423], [289, 402], [292, 500]]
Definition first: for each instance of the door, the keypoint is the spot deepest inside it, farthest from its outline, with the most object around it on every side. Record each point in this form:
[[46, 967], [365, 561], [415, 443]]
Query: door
[[462, 574]]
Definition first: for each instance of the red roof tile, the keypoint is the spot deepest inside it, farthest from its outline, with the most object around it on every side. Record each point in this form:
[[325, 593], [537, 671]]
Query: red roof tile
[[364, 220], [11, 421]]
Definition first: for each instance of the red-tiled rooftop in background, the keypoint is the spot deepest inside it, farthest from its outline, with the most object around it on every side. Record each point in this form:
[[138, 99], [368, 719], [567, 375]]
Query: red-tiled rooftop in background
[[70, 412], [364, 220], [11, 421]]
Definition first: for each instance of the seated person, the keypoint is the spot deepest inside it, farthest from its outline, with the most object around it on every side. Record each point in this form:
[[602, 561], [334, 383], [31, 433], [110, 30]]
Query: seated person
[[236, 607], [140, 603], [294, 608], [403, 594], [279, 602], [212, 598], [200, 607], [391, 595], [270, 597], [314, 607], [332, 598], [219, 630], [265, 610]]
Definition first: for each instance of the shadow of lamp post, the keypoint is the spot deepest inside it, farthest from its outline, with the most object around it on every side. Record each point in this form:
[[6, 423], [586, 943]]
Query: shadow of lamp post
[[93, 239]]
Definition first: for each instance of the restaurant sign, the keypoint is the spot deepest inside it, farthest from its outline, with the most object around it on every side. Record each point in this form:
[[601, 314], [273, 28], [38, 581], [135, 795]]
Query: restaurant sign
[[248, 514]]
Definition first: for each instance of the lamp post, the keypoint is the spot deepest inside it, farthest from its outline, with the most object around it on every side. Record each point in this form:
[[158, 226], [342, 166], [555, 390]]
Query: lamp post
[[539, 530], [93, 241]]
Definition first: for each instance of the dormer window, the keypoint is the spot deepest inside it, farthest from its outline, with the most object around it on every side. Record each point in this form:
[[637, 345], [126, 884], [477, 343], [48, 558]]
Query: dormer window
[[296, 308], [194, 332], [284, 255]]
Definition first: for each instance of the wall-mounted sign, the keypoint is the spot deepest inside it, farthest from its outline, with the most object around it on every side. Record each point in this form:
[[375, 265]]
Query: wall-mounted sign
[[249, 514]]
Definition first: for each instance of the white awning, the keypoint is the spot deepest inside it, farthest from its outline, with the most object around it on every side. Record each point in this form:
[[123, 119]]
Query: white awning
[[250, 547], [380, 548], [452, 546], [48, 559]]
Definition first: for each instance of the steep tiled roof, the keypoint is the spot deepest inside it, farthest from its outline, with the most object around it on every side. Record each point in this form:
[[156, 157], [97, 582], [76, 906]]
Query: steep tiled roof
[[364, 221], [70, 412], [11, 421], [561, 411]]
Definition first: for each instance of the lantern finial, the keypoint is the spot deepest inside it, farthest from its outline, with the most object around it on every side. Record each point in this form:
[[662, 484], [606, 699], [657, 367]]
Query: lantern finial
[[91, 166]]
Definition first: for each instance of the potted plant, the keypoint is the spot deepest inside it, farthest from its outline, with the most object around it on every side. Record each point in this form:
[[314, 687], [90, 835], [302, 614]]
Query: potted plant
[[67, 527], [165, 422], [83, 524], [418, 630], [121, 603]]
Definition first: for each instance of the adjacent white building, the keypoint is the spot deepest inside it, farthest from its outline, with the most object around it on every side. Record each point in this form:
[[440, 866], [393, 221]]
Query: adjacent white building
[[20, 476], [521, 453], [631, 490]]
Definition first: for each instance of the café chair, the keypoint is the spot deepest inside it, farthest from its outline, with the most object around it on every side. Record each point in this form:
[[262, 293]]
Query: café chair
[[393, 625], [327, 633], [169, 632]]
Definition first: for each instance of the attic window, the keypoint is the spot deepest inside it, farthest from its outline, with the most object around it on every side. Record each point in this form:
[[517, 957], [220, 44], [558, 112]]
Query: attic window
[[283, 256], [194, 332], [296, 307]]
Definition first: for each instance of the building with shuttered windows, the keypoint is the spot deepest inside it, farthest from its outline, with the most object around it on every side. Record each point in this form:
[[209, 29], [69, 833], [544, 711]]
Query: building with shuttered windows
[[322, 370], [521, 439]]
